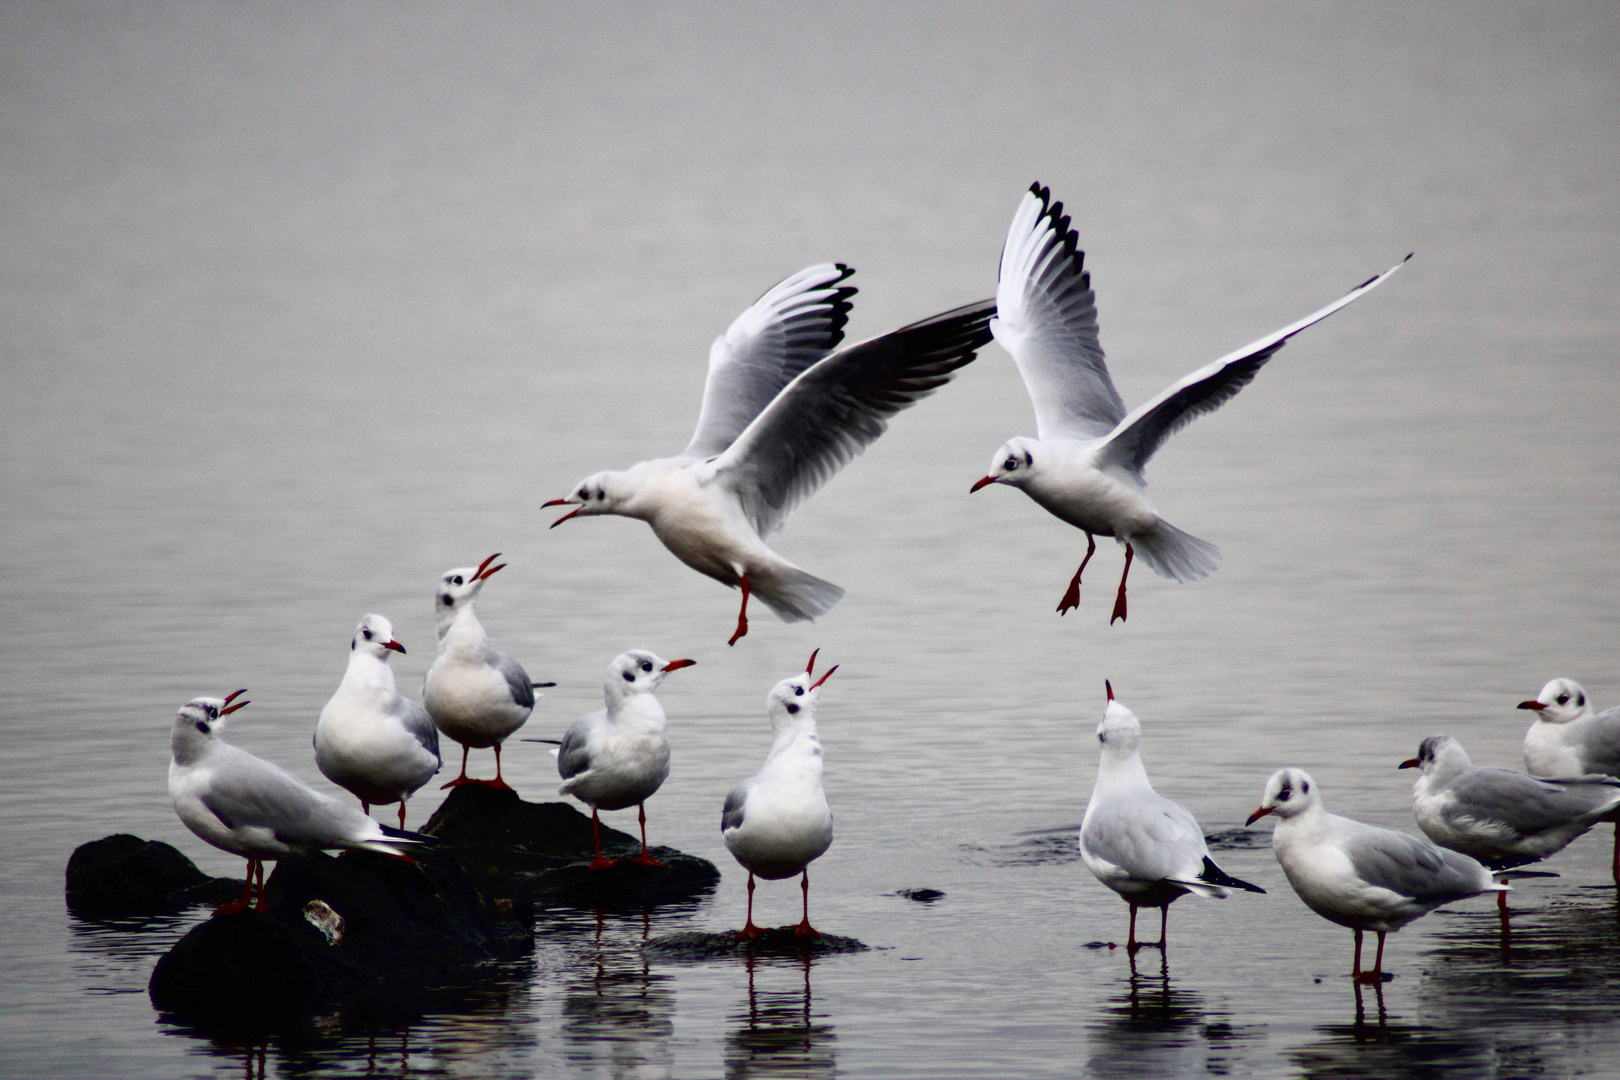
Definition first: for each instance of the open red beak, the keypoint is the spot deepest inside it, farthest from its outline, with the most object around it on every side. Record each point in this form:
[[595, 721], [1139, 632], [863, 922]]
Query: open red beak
[[977, 484], [394, 645], [1257, 815], [565, 517], [1536, 705], [825, 677], [1410, 763], [676, 665], [229, 708], [810, 668], [485, 571]]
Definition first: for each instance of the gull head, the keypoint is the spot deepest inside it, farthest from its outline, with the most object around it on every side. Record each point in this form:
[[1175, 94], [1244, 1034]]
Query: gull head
[[198, 722], [599, 493], [375, 635], [638, 672], [793, 701], [460, 587], [1439, 756], [1288, 792], [1560, 702], [1015, 463], [1120, 731]]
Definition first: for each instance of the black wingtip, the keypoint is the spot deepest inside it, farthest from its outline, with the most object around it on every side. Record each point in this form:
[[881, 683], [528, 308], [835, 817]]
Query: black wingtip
[[1214, 875], [1409, 255]]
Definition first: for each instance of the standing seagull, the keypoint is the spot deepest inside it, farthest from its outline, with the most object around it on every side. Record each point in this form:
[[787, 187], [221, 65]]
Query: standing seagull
[[1502, 817], [1143, 846], [378, 745], [782, 413], [249, 807], [1569, 739], [1085, 464], [617, 757], [1359, 875], [476, 695], [777, 822]]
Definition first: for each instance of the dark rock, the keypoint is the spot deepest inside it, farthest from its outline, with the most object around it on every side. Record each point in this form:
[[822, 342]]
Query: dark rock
[[541, 851], [779, 942], [359, 930], [921, 896], [125, 875]]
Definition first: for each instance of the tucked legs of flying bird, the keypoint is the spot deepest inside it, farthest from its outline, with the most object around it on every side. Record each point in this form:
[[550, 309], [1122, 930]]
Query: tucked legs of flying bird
[[1071, 598], [742, 614], [1119, 601]]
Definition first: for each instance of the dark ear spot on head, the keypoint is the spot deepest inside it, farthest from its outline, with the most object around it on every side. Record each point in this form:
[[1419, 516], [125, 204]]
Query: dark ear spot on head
[[1029, 459], [629, 676], [1580, 701], [202, 727], [1305, 788], [792, 708]]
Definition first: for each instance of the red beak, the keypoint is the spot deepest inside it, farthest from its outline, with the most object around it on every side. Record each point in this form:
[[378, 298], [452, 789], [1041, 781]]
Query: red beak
[[676, 665], [1257, 815], [394, 645], [483, 573], [825, 677], [1410, 763], [1536, 705], [229, 708], [1110, 687], [810, 668], [565, 517], [977, 484]]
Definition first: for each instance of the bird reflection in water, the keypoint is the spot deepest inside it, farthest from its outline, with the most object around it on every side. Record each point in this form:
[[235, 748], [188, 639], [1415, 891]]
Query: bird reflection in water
[[1158, 1029], [617, 1013], [778, 1036]]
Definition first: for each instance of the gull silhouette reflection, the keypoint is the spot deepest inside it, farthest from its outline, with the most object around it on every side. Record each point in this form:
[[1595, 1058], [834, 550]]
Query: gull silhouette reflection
[[1155, 1028], [778, 1034]]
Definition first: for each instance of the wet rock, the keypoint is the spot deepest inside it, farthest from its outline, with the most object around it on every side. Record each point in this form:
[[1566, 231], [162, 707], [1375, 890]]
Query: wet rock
[[921, 896], [124, 875], [540, 851], [358, 930], [778, 942]]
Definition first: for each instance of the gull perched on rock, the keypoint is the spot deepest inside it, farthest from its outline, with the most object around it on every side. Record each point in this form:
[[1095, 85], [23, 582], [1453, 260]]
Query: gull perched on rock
[[617, 757], [1146, 848], [777, 822], [1359, 875], [1569, 739], [475, 695], [784, 409], [369, 740], [1085, 464], [249, 807]]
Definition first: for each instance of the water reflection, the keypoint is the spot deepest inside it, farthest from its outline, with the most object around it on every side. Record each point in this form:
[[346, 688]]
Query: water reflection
[[115, 956], [1155, 1028], [618, 1016], [778, 1035]]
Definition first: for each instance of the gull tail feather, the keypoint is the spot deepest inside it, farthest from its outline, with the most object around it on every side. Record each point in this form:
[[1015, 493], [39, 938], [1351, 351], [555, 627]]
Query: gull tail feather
[[1176, 554], [796, 596]]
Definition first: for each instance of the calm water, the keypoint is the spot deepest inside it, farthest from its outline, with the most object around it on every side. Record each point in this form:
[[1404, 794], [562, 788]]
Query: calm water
[[303, 305]]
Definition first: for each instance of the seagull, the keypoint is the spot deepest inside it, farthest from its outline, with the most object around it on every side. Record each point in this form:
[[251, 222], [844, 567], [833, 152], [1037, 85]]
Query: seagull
[[777, 822], [784, 409], [1502, 817], [1085, 464], [249, 807], [1143, 846], [1569, 739], [476, 695], [617, 757], [378, 745], [1359, 875]]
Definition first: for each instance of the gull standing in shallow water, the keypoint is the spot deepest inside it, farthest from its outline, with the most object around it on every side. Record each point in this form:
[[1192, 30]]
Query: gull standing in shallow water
[[1085, 464], [617, 757], [368, 739], [782, 413], [1143, 846], [777, 822], [1569, 739], [475, 695], [1359, 875], [249, 807]]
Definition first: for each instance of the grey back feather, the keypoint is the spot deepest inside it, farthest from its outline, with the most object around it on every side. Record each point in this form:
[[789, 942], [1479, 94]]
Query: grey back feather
[[517, 680], [573, 757], [1411, 867]]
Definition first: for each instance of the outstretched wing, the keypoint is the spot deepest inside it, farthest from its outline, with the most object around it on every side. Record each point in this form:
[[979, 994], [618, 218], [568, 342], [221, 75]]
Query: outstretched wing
[[797, 323], [1140, 434], [838, 407], [1046, 318]]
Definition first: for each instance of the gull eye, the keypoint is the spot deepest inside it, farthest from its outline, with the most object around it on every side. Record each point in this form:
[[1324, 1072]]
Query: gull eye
[[798, 691], [584, 494], [1282, 796], [1563, 699], [792, 708], [456, 580], [629, 676], [646, 665], [202, 727], [1010, 464]]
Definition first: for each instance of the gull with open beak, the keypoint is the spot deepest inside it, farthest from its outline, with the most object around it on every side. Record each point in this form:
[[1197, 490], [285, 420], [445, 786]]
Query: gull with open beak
[[617, 757], [777, 822], [784, 409], [476, 696], [378, 745]]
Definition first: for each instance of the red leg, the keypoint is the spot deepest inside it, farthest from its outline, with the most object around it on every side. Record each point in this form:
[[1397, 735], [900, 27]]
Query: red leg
[[365, 807], [462, 779], [1376, 975], [1119, 601], [644, 859], [1355, 967], [1071, 599], [1501, 902], [804, 929], [498, 784], [1164, 919], [402, 814], [598, 863], [749, 930], [259, 868], [1617, 852], [1130, 942], [247, 894], [742, 615]]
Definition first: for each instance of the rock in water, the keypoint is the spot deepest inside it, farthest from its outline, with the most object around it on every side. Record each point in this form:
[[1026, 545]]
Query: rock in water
[[778, 942], [359, 929], [541, 850], [124, 875]]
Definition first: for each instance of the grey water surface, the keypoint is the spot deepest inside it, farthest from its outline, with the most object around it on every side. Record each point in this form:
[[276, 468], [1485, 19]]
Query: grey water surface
[[303, 304]]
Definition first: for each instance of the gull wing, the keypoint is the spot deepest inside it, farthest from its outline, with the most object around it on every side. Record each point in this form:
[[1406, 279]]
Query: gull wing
[[792, 326], [420, 724], [839, 406], [1046, 318], [1139, 436], [731, 815], [573, 756], [245, 791], [1410, 867], [1526, 806], [517, 680]]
